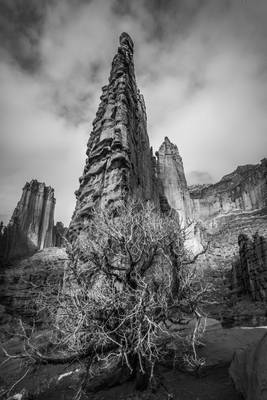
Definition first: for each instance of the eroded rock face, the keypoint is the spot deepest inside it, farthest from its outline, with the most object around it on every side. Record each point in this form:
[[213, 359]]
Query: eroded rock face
[[245, 189], [248, 370], [235, 204], [32, 222], [120, 161], [172, 178], [59, 234], [249, 273]]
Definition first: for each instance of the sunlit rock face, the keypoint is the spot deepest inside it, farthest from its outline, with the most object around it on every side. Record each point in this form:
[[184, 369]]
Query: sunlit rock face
[[31, 226], [248, 369], [119, 158], [244, 190], [235, 204], [174, 187], [172, 177]]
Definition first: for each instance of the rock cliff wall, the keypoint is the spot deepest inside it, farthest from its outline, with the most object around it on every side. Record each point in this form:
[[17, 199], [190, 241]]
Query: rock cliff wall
[[249, 272], [235, 204], [32, 222], [119, 158], [244, 190]]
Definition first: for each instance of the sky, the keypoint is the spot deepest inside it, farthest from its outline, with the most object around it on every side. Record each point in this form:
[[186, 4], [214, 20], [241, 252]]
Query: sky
[[200, 64]]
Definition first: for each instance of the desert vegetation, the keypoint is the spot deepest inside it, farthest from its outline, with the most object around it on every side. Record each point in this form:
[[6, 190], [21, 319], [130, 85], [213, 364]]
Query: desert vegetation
[[130, 290]]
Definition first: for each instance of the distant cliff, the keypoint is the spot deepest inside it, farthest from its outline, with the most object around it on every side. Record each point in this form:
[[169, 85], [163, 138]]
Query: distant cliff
[[32, 222], [245, 189], [119, 158]]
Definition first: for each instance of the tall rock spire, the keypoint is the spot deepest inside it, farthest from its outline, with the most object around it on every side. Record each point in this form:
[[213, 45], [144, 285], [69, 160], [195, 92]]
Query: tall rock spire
[[119, 158], [172, 179], [31, 225]]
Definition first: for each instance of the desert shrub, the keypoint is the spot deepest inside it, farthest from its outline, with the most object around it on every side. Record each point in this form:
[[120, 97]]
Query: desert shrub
[[129, 278]]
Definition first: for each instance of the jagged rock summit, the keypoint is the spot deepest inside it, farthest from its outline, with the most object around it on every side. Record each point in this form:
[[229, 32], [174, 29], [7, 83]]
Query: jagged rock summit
[[119, 158]]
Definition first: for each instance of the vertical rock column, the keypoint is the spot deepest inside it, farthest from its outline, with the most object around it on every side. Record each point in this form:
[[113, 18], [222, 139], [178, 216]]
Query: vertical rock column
[[31, 225], [249, 273], [173, 181], [119, 158]]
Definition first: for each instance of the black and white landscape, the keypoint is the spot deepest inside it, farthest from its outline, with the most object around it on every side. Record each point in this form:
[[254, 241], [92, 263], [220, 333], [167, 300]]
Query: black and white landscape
[[150, 282]]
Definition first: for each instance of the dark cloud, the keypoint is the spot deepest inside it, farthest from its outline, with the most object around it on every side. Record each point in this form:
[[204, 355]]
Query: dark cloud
[[21, 24]]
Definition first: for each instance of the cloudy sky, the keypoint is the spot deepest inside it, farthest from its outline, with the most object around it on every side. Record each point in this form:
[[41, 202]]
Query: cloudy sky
[[201, 65]]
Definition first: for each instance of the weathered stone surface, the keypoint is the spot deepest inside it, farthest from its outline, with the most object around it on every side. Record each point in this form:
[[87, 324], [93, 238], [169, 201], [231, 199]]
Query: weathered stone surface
[[22, 282], [221, 344], [120, 161], [249, 272], [32, 222], [59, 234], [174, 193], [237, 203], [249, 370], [172, 178], [245, 189]]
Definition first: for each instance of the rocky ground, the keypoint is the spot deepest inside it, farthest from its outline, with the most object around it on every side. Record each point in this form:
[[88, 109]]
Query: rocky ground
[[211, 382], [221, 340], [21, 283]]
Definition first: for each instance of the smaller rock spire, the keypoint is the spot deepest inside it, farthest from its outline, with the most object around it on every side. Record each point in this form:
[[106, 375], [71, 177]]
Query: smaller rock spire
[[172, 177], [31, 225]]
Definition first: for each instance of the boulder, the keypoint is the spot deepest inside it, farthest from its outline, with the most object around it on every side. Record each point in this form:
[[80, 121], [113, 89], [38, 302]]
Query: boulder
[[248, 370]]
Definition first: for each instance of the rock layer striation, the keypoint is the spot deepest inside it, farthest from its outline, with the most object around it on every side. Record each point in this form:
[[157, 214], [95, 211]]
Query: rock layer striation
[[243, 190]]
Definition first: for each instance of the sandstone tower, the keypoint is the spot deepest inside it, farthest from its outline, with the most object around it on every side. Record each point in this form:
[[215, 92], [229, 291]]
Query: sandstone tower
[[32, 222], [119, 161], [172, 178]]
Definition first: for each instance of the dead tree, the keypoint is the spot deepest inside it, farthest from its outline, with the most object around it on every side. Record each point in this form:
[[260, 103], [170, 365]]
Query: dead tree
[[129, 277]]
